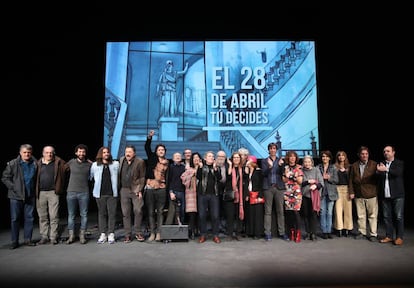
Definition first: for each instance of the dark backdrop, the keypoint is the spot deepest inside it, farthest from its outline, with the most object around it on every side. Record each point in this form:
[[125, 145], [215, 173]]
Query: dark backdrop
[[53, 71]]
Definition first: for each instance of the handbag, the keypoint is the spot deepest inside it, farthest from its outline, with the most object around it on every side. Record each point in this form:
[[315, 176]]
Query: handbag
[[228, 195], [254, 198]]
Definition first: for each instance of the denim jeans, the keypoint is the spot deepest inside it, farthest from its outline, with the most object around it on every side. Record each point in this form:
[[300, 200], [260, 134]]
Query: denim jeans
[[75, 199], [326, 214], [17, 208], [393, 212], [211, 203]]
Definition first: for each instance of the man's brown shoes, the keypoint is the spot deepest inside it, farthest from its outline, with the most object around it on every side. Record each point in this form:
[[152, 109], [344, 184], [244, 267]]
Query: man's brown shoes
[[398, 241], [386, 240]]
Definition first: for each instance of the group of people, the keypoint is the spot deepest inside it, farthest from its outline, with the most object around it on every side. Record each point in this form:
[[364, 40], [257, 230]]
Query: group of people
[[275, 197], [323, 195], [40, 184]]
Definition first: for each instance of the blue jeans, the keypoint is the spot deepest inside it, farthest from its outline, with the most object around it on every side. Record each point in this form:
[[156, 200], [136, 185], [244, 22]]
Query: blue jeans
[[75, 199], [17, 208], [211, 203], [326, 214], [393, 212]]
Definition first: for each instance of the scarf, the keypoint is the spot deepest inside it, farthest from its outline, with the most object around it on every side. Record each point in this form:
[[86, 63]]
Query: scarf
[[316, 200], [238, 190]]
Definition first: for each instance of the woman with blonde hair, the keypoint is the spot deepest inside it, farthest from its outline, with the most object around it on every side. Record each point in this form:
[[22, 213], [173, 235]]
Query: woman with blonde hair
[[311, 189], [343, 220]]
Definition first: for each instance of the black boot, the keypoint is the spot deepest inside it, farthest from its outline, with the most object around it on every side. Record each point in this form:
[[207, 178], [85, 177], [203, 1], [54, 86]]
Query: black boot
[[191, 234]]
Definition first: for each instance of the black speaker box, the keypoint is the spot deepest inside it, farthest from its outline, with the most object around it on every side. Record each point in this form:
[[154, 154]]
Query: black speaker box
[[174, 232]]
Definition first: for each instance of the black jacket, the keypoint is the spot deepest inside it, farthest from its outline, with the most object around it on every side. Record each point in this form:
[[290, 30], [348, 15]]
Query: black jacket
[[395, 178], [13, 178]]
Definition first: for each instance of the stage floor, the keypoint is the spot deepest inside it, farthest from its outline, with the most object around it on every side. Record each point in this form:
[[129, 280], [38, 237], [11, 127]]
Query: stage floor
[[337, 262]]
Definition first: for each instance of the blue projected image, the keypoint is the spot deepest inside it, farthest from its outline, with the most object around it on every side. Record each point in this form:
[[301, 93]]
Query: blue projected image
[[211, 95]]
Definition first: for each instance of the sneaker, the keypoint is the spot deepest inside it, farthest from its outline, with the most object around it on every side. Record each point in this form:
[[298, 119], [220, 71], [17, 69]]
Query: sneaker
[[111, 238], [140, 237], [284, 237], [14, 245], [268, 237], [102, 238]]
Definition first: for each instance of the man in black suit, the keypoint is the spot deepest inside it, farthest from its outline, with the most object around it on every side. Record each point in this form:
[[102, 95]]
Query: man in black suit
[[392, 193]]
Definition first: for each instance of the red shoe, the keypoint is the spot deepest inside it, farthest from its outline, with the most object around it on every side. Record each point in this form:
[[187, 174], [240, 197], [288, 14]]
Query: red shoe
[[202, 239], [298, 236], [292, 234], [216, 239]]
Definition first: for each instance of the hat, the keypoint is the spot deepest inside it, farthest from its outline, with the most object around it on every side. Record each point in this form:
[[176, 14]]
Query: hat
[[252, 158]]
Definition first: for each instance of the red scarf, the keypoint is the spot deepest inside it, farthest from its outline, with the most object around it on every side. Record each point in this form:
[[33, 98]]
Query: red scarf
[[238, 189], [316, 200]]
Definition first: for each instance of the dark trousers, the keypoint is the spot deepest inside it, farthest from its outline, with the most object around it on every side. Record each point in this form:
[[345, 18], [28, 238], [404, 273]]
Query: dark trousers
[[209, 204], [155, 201], [131, 204], [393, 213], [107, 206], [17, 209], [274, 203], [176, 209], [309, 216], [233, 223]]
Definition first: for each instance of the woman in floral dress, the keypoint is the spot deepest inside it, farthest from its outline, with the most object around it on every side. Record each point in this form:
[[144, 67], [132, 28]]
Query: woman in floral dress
[[293, 177]]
